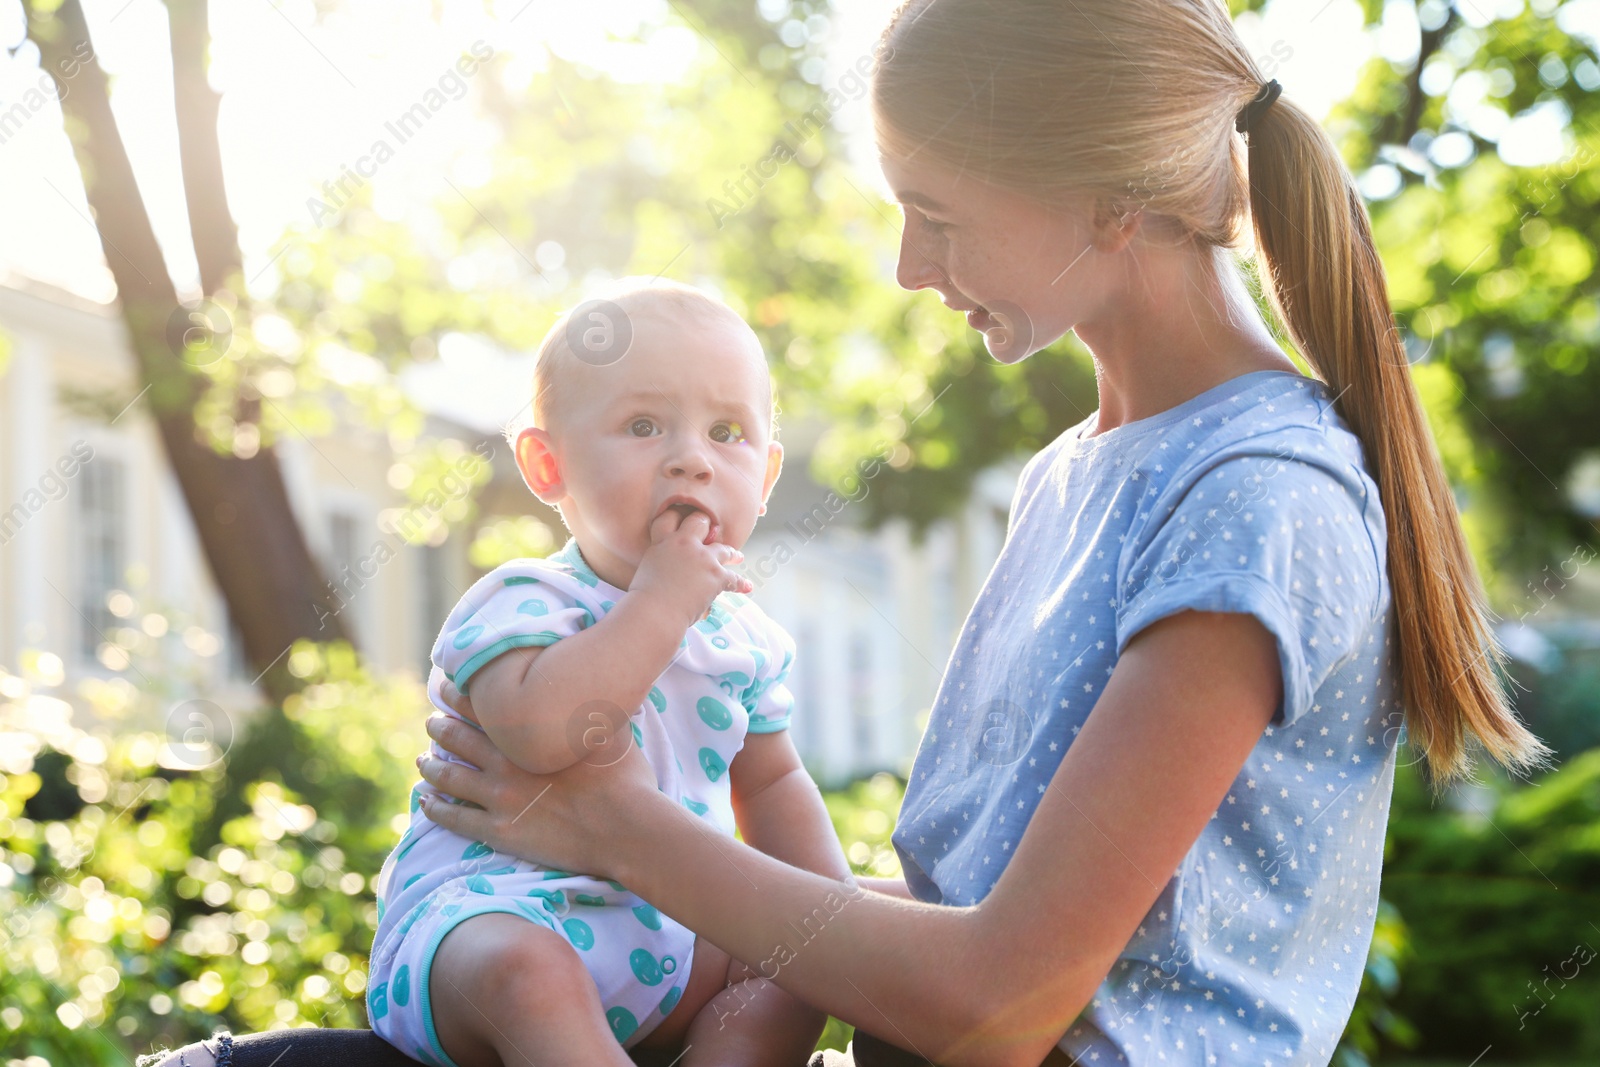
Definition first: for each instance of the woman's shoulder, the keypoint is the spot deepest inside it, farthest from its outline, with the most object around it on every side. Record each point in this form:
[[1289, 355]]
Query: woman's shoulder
[[1282, 428]]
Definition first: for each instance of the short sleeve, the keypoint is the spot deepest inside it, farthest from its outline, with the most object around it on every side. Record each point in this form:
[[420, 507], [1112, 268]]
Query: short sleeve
[[1291, 537], [521, 604], [768, 698]]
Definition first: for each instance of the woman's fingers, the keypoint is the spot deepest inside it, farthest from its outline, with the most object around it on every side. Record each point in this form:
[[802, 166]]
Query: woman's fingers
[[459, 739], [449, 778], [458, 701], [462, 819]]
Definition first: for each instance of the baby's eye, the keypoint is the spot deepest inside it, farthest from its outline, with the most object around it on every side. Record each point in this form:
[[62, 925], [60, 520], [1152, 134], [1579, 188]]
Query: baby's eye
[[641, 428], [727, 433]]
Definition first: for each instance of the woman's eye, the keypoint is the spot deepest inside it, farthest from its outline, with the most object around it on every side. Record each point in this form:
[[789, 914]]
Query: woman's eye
[[641, 427], [727, 432]]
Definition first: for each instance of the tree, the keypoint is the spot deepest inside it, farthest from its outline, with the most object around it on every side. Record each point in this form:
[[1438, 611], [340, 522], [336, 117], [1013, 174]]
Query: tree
[[257, 553]]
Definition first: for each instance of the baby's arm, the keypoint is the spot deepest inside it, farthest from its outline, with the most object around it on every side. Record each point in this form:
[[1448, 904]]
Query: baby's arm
[[536, 704], [779, 808]]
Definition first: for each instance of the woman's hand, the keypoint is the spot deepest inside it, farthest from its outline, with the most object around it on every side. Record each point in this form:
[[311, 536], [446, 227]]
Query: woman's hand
[[568, 820]]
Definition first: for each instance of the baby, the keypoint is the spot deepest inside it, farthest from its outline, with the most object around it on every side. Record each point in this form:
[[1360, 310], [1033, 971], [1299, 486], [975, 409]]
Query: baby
[[653, 415]]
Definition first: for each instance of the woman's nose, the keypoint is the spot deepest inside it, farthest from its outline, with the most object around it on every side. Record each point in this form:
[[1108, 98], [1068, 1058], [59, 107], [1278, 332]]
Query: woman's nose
[[915, 270]]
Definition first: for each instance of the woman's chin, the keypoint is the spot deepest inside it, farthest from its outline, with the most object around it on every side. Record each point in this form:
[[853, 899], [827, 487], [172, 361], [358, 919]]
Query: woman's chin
[[1007, 331]]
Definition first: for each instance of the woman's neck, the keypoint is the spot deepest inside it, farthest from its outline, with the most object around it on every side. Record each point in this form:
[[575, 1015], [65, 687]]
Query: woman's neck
[[1184, 323]]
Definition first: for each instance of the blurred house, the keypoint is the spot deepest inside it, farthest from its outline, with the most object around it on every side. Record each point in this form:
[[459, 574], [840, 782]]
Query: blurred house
[[96, 543]]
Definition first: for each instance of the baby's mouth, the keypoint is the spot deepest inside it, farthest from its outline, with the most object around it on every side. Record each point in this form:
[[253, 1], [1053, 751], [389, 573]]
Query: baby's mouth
[[684, 509]]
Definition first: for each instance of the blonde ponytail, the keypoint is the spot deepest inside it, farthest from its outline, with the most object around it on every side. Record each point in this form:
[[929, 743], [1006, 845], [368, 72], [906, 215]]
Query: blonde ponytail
[[1324, 278], [1135, 101]]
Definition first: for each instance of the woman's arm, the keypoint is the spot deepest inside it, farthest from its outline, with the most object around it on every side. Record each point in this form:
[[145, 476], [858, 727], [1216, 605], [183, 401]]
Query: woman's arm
[[995, 983]]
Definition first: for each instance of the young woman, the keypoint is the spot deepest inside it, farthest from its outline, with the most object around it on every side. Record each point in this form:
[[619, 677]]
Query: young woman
[[1146, 822]]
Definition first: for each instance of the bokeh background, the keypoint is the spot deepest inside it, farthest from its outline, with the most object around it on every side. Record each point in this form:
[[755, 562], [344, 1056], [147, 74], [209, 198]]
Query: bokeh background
[[271, 273]]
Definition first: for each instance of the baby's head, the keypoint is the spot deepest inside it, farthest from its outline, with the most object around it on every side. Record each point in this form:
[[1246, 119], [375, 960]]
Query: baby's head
[[655, 398]]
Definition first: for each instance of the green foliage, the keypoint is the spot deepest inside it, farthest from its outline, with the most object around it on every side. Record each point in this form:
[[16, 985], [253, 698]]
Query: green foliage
[[127, 925], [1502, 904], [1491, 265], [503, 540]]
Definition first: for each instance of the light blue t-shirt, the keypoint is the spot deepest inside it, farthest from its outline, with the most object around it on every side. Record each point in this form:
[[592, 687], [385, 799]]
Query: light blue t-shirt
[[1251, 497]]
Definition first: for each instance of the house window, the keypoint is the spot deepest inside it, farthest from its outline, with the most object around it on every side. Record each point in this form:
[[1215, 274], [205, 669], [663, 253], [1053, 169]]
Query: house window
[[434, 600], [103, 525], [343, 578]]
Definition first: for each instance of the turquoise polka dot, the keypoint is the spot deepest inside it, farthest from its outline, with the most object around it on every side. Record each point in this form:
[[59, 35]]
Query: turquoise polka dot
[[668, 965], [589, 900], [416, 796], [550, 876], [533, 607], [623, 1024], [714, 713], [720, 641], [410, 882], [411, 920], [657, 699], [382, 907], [378, 1001], [522, 579], [553, 897], [648, 915], [645, 967], [450, 909], [476, 851], [712, 764], [733, 682], [695, 806], [401, 991], [607, 605], [618, 886], [479, 884], [466, 636], [670, 1001], [579, 933], [638, 737]]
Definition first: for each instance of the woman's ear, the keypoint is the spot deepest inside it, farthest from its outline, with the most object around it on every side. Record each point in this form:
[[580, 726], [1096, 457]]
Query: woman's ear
[[536, 459], [774, 466], [1114, 224]]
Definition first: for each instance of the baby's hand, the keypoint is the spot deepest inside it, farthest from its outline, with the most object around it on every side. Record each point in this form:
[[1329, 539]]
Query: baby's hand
[[683, 569]]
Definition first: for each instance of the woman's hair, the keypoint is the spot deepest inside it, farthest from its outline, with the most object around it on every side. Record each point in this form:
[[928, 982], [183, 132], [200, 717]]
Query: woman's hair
[[1133, 102]]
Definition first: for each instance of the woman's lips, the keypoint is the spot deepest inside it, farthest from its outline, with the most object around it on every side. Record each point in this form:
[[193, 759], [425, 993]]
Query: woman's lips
[[980, 320]]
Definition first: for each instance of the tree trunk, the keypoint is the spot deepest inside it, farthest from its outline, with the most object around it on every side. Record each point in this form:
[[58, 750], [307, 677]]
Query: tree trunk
[[257, 553]]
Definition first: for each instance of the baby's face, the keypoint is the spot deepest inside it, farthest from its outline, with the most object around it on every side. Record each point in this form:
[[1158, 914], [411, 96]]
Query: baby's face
[[682, 422]]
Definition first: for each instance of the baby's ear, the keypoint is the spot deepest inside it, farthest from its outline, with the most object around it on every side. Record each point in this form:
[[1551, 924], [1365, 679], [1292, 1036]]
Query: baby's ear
[[536, 459], [774, 466]]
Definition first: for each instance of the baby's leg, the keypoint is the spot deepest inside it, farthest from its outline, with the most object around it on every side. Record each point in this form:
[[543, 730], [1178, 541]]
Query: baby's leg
[[752, 1023], [509, 992]]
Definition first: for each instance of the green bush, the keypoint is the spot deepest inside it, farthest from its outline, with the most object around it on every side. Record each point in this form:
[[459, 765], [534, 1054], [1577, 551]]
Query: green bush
[[148, 899], [1503, 902]]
